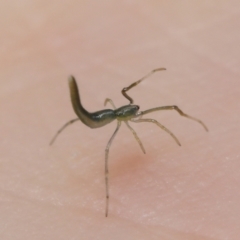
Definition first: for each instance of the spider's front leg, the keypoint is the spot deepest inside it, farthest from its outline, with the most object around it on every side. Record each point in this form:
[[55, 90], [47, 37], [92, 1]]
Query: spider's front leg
[[106, 165], [176, 108]]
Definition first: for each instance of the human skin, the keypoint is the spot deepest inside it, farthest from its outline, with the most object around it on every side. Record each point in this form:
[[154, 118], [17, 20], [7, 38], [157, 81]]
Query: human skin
[[58, 192]]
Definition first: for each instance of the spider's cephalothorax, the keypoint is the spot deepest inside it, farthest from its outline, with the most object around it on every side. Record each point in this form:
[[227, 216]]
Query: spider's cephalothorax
[[126, 112]]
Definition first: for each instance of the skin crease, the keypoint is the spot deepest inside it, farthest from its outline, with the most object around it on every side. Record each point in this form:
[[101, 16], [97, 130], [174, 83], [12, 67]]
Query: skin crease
[[58, 192]]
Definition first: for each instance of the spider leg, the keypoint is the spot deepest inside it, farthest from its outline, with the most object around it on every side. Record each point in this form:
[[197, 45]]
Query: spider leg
[[136, 136], [62, 128], [137, 82], [159, 125], [108, 100], [178, 110], [106, 165]]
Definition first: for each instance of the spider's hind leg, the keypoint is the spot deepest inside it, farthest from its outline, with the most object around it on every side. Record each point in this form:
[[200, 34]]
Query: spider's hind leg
[[159, 125], [62, 128], [136, 137]]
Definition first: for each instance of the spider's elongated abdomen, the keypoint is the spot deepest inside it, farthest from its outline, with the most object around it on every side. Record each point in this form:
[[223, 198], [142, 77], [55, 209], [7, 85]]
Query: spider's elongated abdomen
[[92, 120], [101, 118]]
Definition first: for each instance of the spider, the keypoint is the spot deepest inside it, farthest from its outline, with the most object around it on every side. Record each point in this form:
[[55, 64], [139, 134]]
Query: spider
[[124, 114]]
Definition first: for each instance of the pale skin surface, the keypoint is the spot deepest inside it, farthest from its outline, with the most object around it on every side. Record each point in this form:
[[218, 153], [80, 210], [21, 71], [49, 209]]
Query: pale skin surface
[[172, 192]]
